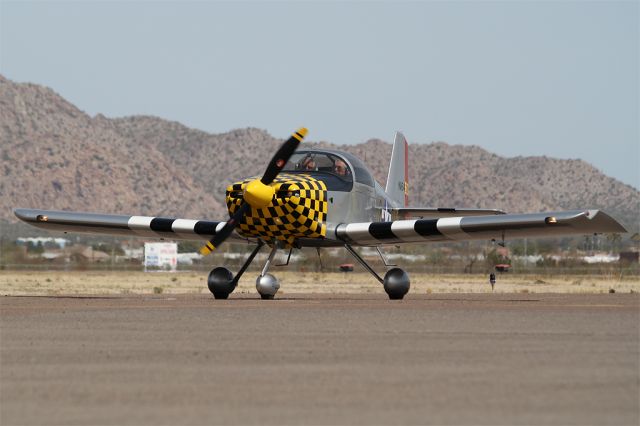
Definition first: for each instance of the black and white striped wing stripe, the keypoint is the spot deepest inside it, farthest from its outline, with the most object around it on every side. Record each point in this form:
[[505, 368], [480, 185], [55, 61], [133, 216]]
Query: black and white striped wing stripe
[[479, 228], [111, 224]]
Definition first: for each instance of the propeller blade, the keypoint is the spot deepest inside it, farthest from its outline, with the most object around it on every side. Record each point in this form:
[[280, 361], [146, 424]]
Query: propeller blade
[[226, 230], [283, 154], [276, 165]]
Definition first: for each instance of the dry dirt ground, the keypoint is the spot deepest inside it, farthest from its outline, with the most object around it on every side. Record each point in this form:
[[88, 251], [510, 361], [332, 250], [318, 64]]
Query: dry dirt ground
[[319, 358], [52, 283]]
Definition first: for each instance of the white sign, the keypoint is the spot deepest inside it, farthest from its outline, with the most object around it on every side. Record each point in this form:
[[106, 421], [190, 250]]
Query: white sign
[[161, 255]]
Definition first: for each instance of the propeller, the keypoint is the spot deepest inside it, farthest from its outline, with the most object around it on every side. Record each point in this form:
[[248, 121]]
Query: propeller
[[258, 193]]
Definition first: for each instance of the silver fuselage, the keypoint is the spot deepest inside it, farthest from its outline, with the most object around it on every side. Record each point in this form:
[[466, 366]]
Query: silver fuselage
[[351, 198]]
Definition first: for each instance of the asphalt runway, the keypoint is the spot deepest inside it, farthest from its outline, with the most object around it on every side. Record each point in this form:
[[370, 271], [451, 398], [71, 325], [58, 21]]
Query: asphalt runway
[[321, 359]]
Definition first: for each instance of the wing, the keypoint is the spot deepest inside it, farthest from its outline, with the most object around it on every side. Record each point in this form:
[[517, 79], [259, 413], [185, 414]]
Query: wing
[[435, 212], [131, 226], [498, 227]]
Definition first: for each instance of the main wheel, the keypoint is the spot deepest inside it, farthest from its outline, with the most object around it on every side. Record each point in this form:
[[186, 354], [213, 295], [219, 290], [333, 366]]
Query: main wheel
[[220, 283], [396, 283]]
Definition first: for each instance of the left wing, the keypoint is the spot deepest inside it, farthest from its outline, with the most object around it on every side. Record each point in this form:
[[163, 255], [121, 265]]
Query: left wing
[[131, 226], [498, 227]]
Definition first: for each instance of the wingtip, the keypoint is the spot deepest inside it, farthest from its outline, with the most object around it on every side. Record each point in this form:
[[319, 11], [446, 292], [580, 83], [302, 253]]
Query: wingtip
[[22, 214], [607, 223]]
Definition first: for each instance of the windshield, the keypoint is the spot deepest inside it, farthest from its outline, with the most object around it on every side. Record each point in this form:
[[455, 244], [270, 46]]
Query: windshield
[[318, 162], [332, 169]]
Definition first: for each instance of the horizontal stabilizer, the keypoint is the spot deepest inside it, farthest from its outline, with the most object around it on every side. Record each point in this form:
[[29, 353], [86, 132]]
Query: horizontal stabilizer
[[498, 227]]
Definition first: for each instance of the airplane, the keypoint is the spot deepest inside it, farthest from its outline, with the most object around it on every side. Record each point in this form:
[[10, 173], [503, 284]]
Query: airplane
[[327, 198]]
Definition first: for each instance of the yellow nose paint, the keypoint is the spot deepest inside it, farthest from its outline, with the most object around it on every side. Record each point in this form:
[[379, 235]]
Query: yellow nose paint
[[288, 216], [258, 195]]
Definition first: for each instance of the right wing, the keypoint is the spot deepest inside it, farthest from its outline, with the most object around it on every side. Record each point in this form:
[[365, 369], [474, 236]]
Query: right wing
[[130, 226], [498, 227]]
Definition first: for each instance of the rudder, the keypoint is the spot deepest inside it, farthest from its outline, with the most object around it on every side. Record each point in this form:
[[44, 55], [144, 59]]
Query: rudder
[[398, 179]]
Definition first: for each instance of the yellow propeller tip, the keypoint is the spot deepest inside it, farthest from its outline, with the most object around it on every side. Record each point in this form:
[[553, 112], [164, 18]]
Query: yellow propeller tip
[[303, 131], [205, 250]]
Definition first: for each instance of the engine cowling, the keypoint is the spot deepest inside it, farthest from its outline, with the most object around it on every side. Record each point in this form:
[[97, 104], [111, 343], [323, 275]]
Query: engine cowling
[[297, 209]]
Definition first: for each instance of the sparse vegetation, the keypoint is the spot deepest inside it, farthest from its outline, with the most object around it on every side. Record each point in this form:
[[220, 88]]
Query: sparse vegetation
[[15, 283]]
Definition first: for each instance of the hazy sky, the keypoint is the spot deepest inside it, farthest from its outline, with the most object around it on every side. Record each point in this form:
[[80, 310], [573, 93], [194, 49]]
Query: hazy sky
[[518, 78]]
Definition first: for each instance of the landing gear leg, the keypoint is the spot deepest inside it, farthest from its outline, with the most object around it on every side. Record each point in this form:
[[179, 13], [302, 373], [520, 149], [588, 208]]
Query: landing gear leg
[[221, 281], [396, 281], [266, 284]]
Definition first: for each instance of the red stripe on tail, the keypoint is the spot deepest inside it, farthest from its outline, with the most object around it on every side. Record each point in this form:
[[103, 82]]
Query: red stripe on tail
[[406, 173]]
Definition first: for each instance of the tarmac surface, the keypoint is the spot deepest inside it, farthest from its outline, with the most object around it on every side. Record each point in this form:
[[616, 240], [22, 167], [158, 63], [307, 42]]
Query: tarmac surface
[[321, 359]]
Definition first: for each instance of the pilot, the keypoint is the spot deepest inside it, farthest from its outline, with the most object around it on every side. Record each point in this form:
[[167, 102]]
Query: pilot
[[309, 164], [340, 168]]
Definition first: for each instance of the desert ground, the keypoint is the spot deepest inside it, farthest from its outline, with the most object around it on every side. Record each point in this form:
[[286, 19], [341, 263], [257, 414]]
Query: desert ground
[[91, 282], [156, 348]]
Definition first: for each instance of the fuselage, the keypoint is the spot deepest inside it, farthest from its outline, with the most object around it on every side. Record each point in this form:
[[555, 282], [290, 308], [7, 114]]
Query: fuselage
[[313, 195]]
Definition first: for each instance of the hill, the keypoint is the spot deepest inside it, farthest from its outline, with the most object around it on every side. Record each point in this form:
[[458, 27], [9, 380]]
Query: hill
[[52, 155]]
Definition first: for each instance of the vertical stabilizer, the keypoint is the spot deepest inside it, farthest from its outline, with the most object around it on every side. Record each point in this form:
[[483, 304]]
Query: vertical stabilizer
[[398, 179]]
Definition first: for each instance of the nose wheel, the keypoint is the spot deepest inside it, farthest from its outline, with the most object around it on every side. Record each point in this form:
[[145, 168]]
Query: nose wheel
[[266, 284]]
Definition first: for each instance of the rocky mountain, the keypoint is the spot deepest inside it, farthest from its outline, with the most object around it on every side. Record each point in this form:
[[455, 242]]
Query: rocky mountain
[[55, 156]]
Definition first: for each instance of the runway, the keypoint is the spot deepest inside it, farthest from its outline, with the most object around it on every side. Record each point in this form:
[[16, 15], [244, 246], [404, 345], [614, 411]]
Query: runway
[[321, 359]]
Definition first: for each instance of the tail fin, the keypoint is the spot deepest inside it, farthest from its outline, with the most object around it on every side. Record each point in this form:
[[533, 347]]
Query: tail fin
[[398, 179]]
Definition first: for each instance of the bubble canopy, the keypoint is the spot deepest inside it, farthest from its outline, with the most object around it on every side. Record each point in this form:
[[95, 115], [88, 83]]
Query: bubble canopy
[[337, 169]]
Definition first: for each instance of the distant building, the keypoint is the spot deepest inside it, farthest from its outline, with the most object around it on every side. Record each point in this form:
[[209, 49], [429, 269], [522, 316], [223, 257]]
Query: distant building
[[133, 253], [60, 242], [52, 255], [600, 258], [90, 255], [188, 258]]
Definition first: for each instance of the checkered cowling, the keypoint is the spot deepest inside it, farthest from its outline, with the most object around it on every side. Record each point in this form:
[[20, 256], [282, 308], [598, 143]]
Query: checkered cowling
[[299, 209]]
